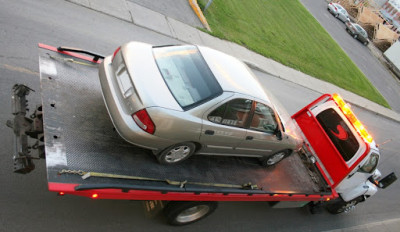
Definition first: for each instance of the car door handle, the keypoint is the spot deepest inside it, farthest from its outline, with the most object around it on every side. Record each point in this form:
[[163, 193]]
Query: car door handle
[[209, 132], [249, 138]]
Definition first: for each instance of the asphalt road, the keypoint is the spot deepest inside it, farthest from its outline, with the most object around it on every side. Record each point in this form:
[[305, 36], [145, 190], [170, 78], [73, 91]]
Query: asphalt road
[[387, 84], [25, 203]]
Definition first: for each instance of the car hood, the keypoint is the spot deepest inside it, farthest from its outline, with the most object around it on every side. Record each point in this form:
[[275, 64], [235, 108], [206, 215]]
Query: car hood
[[291, 128]]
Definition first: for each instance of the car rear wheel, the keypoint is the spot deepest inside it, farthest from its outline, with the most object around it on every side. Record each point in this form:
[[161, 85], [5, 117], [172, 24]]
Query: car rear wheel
[[275, 158], [355, 36], [176, 153], [336, 15]]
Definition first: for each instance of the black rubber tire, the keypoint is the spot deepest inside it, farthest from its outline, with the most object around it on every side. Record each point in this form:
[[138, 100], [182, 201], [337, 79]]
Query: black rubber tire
[[365, 43], [336, 15], [268, 162], [185, 147], [179, 213], [339, 205], [355, 36]]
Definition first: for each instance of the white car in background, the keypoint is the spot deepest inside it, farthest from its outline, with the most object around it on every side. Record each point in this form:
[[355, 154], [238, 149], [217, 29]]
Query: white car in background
[[338, 11]]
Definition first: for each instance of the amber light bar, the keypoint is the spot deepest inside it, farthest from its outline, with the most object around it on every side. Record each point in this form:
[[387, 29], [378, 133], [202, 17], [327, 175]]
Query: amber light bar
[[345, 108]]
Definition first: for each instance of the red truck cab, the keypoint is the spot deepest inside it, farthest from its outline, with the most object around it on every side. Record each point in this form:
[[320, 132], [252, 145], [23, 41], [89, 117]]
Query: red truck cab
[[344, 151]]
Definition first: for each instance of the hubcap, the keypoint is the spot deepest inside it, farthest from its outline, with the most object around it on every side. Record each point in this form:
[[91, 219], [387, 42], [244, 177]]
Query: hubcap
[[177, 153], [193, 213], [276, 158]]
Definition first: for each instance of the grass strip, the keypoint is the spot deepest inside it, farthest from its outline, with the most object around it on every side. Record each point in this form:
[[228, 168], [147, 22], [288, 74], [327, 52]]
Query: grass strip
[[285, 31]]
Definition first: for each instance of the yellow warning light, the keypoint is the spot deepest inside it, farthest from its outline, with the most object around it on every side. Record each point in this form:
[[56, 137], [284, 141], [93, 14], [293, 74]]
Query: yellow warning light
[[345, 108]]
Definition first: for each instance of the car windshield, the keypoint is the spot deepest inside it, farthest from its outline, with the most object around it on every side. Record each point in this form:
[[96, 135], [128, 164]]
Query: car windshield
[[361, 30], [186, 74]]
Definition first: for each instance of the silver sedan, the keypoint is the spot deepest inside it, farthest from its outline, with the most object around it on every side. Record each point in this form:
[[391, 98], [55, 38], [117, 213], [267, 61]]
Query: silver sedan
[[338, 11], [186, 99]]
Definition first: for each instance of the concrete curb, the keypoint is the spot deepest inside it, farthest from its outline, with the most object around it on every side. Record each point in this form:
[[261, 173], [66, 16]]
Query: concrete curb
[[199, 13], [162, 24]]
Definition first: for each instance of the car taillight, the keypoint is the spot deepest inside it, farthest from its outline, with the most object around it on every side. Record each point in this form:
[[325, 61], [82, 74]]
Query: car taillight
[[345, 108], [115, 53], [144, 121]]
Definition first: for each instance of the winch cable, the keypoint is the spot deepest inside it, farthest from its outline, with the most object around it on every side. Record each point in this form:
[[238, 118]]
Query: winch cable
[[181, 184]]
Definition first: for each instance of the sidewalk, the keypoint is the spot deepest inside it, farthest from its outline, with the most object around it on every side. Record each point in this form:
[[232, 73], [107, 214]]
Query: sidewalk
[[139, 15], [392, 225]]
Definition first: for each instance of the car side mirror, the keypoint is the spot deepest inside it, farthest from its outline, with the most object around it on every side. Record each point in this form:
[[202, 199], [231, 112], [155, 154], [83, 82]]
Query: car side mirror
[[278, 133]]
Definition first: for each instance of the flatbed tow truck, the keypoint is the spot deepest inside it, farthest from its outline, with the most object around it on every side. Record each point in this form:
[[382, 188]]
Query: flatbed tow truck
[[85, 156]]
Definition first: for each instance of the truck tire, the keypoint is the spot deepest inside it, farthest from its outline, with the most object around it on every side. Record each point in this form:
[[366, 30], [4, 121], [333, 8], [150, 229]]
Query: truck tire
[[275, 158], [176, 153], [340, 206], [179, 213]]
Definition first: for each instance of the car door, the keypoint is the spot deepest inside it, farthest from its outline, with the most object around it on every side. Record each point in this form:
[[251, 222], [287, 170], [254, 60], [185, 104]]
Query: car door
[[223, 126], [261, 139], [343, 15]]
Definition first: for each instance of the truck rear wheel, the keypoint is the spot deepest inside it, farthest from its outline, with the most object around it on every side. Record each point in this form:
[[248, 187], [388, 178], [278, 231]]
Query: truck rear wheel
[[179, 213]]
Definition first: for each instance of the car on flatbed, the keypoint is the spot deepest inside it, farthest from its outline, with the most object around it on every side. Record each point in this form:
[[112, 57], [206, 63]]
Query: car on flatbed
[[183, 99]]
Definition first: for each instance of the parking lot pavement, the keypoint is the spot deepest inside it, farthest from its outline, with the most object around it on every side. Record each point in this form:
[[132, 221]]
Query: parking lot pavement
[[166, 25]]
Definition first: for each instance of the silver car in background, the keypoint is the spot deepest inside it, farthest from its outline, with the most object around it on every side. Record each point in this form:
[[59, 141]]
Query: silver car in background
[[186, 99], [338, 11], [357, 32]]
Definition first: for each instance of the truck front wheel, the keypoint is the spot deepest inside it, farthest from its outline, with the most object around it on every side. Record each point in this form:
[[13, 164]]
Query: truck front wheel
[[341, 206], [181, 213]]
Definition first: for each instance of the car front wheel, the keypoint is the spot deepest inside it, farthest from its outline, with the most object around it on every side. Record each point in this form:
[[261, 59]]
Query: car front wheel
[[275, 158], [176, 153]]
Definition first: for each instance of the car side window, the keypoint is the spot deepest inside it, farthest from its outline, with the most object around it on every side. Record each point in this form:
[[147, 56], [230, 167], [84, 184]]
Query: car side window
[[233, 113], [264, 119]]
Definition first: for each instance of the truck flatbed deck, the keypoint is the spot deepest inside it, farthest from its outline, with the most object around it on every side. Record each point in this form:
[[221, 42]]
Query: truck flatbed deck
[[79, 136]]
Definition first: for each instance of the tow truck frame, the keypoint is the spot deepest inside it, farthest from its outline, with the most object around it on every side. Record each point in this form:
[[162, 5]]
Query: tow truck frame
[[85, 156]]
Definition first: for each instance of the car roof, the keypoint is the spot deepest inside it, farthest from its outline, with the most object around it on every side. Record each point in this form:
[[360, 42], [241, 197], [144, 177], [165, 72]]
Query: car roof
[[232, 74], [337, 5]]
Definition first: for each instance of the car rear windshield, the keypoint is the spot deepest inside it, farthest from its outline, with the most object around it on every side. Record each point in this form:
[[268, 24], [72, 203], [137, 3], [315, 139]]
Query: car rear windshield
[[186, 74], [339, 133]]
